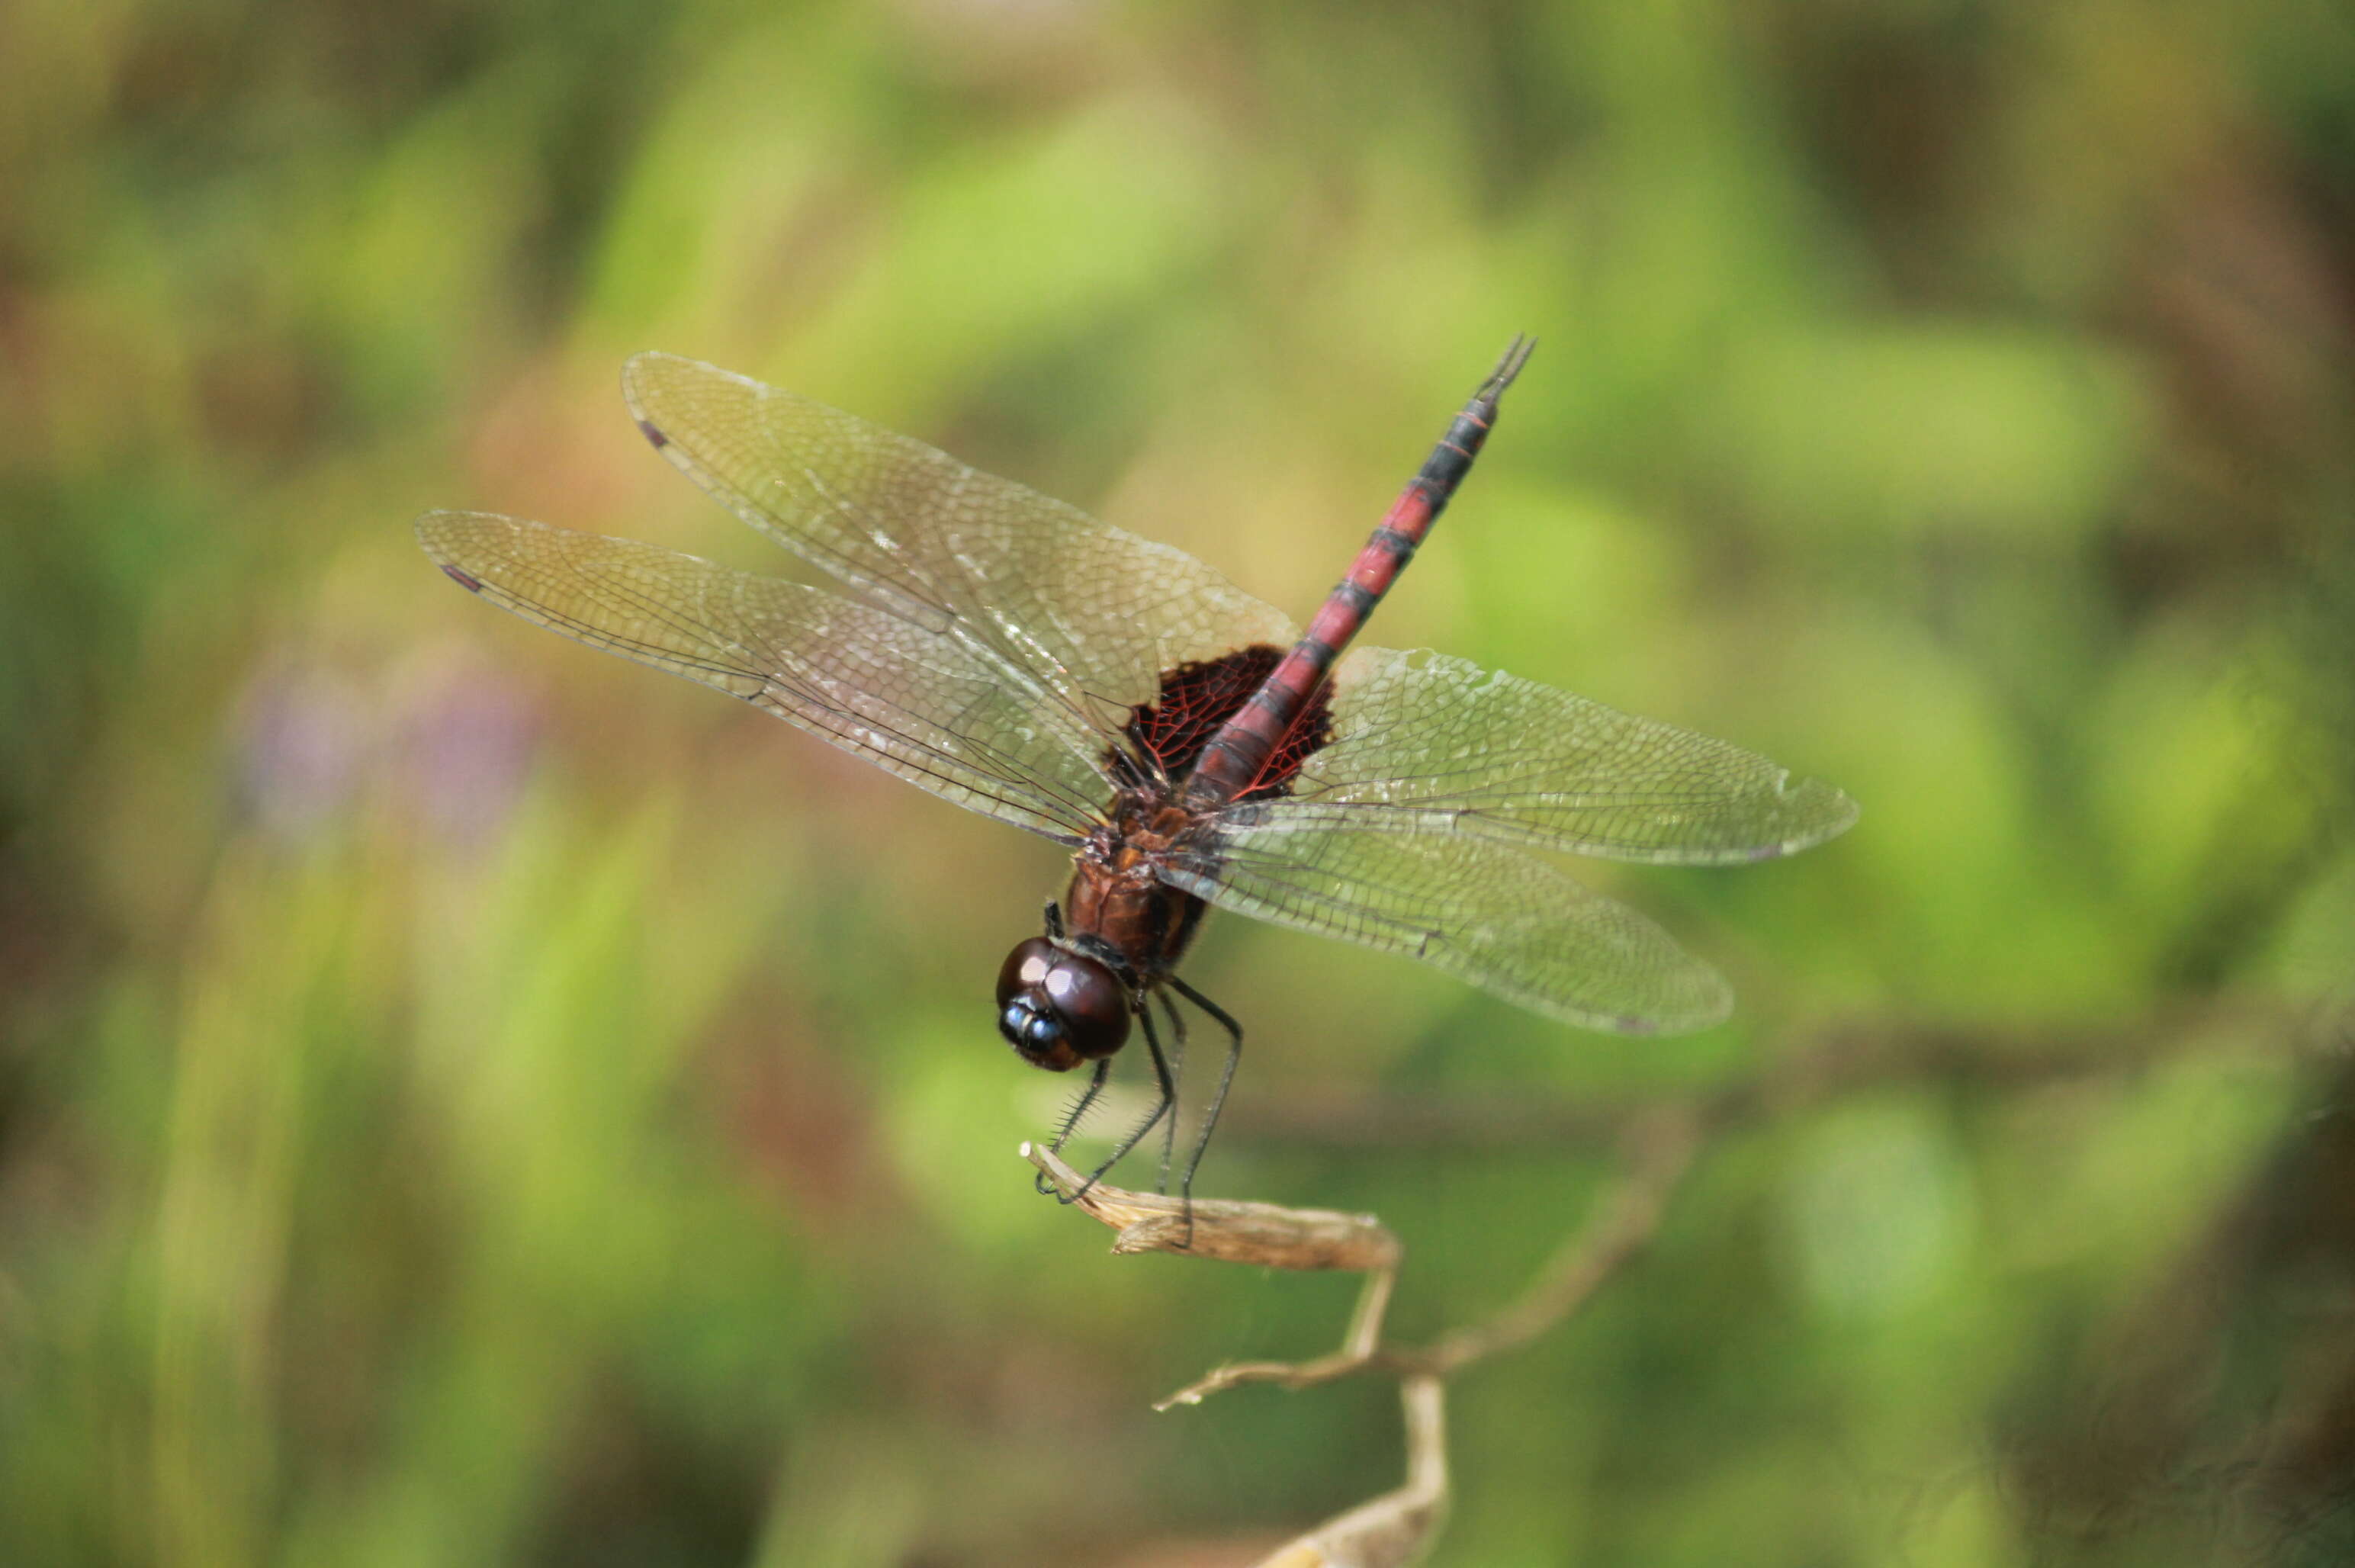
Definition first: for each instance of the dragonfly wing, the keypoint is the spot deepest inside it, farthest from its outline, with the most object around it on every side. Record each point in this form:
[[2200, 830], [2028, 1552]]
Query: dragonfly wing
[[1481, 910], [1087, 614], [1425, 743], [914, 702]]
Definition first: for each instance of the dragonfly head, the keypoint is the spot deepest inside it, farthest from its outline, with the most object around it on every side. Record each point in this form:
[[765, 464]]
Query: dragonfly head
[[1058, 1009]]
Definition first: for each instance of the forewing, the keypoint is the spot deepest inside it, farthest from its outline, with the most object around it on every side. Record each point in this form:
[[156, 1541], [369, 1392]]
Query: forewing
[[1425, 743], [1482, 911], [1088, 614], [913, 702]]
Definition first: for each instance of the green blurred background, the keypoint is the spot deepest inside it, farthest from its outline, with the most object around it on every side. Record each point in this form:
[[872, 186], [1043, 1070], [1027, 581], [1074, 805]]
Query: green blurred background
[[465, 1100]]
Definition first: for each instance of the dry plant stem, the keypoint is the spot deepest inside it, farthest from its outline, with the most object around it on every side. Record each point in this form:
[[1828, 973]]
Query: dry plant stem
[[1359, 1350], [1394, 1527], [1660, 1147], [1661, 1150], [1256, 1234], [1226, 1230]]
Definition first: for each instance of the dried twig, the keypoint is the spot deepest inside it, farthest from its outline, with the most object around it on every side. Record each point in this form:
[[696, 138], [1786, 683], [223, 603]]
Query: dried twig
[[1264, 1233], [1360, 1349], [1226, 1230], [1661, 1150], [1393, 1528], [1658, 1151]]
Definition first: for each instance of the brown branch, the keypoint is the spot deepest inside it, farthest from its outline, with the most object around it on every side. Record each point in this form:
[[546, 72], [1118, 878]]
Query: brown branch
[[1394, 1527], [1658, 1151], [1265, 1234], [1360, 1349], [1225, 1230], [1661, 1150]]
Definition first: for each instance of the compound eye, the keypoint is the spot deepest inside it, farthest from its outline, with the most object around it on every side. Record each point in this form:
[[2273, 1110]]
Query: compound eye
[[1091, 1002], [1037, 1035], [1023, 968]]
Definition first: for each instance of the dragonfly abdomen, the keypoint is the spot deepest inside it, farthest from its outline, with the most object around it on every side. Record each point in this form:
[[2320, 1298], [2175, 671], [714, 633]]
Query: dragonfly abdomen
[[1234, 759]]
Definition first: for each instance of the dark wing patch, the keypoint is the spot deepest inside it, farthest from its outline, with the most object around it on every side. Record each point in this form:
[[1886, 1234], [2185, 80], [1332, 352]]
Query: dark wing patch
[[1167, 735]]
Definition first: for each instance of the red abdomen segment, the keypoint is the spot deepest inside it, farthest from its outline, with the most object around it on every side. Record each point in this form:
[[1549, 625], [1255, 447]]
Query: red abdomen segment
[[1232, 762]]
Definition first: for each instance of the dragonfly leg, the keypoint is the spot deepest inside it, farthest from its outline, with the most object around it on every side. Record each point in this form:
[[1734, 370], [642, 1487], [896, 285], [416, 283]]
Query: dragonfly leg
[[1176, 1074], [1071, 1118], [1164, 1106], [1226, 1080]]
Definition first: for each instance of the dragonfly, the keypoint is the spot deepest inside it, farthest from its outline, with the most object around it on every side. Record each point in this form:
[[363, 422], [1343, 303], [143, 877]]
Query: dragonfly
[[1189, 744]]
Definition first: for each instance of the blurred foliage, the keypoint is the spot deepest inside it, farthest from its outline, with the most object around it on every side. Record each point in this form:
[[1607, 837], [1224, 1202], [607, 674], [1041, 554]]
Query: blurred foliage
[[463, 1100]]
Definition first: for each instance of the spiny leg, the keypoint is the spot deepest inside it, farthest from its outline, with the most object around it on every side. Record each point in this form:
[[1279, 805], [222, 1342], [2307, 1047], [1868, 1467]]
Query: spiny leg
[[1226, 1079], [1071, 1118], [1162, 1107], [1176, 1074]]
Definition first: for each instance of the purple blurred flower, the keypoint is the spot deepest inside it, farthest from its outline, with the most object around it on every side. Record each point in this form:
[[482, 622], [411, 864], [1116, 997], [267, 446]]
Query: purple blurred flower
[[470, 739], [305, 738], [454, 741]]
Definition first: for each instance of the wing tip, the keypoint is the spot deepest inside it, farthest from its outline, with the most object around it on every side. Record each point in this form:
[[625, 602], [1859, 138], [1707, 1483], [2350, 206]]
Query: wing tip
[[1708, 1011], [654, 384], [638, 374], [433, 528], [1831, 812], [1707, 1001], [636, 368], [1678, 995], [641, 371], [463, 544], [1821, 812], [436, 532]]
